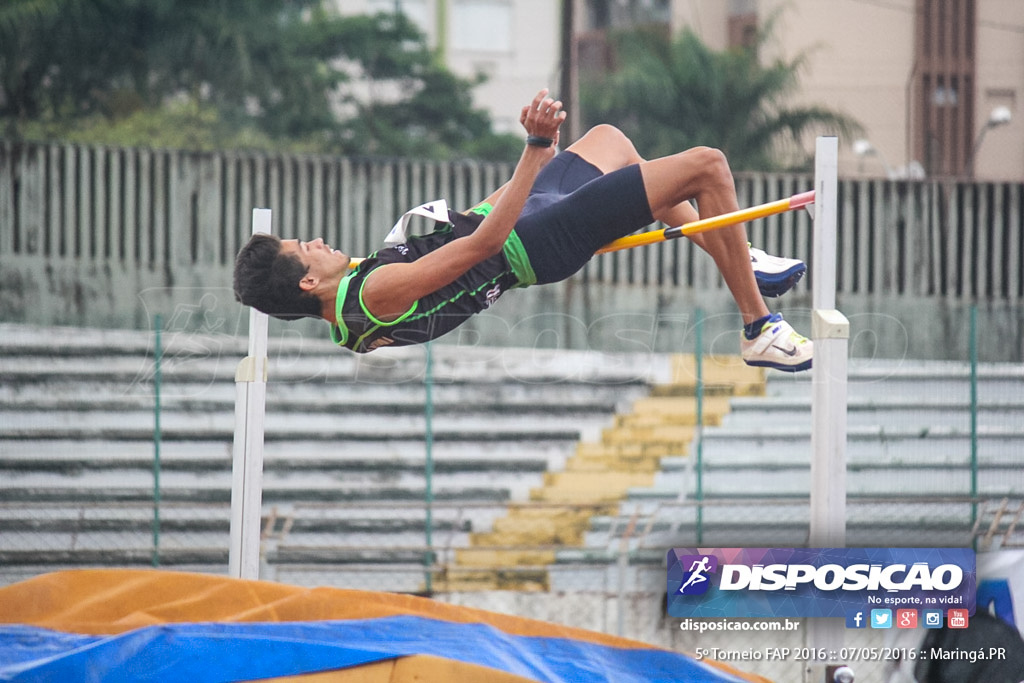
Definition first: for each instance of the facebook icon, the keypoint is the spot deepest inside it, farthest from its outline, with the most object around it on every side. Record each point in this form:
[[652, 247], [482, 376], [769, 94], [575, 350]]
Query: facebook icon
[[856, 619]]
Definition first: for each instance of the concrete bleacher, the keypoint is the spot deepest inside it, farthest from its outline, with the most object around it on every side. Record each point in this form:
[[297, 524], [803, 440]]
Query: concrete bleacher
[[628, 454], [540, 459], [344, 480], [908, 474]]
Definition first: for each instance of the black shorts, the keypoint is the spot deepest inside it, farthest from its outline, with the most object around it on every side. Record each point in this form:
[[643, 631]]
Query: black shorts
[[573, 210]]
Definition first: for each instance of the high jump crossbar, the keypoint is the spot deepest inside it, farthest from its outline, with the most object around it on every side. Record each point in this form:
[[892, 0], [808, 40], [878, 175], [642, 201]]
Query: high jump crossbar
[[797, 201]]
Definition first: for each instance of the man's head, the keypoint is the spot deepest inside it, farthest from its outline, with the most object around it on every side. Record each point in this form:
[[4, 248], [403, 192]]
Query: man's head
[[287, 279]]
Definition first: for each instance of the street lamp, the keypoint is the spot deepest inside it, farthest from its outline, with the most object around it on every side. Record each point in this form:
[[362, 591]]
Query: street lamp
[[863, 148], [999, 116]]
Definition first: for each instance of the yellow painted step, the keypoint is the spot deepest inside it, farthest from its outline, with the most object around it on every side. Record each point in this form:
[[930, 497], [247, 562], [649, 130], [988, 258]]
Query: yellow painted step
[[569, 496], [537, 536], [578, 487], [597, 481], [663, 434], [494, 579], [711, 419], [535, 530], [679, 406], [615, 463], [501, 557], [721, 374], [627, 450], [531, 510]]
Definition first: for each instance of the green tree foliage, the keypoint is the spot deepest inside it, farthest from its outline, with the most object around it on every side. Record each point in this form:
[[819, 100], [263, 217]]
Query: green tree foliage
[[280, 74], [672, 94]]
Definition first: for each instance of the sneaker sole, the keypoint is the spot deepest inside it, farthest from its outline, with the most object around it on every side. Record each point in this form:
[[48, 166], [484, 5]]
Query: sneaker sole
[[806, 365], [777, 284]]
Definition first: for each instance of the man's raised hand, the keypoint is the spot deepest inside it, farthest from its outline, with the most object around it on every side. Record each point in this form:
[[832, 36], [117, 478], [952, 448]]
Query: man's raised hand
[[542, 119]]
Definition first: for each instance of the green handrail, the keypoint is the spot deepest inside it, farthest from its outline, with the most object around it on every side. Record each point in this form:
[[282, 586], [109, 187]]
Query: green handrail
[[428, 474], [157, 380], [973, 349]]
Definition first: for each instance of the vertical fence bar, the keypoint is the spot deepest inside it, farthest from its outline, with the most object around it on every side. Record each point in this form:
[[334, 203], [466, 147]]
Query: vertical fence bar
[[428, 469], [981, 275], [996, 272], [84, 235], [936, 236], [160, 226], [1015, 259], [247, 456], [131, 209], [53, 199], [158, 353], [7, 180], [28, 210], [114, 201], [98, 215], [207, 200]]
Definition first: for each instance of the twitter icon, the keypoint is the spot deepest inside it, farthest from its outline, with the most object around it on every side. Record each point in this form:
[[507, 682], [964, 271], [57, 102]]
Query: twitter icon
[[881, 618]]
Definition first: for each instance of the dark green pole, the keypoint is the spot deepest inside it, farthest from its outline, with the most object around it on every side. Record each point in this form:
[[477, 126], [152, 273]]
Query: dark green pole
[[157, 379], [699, 432], [428, 474], [974, 414]]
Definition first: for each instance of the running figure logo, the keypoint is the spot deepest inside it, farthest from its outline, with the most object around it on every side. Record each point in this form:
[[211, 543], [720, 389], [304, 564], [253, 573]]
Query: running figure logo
[[696, 580]]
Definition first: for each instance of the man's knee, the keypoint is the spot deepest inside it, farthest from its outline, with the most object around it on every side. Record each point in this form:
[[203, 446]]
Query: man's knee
[[613, 144], [713, 164], [609, 134]]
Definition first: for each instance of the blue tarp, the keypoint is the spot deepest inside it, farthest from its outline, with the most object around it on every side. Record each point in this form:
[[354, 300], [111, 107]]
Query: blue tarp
[[210, 652]]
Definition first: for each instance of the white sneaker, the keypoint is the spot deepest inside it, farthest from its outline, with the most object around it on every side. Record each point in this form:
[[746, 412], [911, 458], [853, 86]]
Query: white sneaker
[[775, 275], [777, 346]]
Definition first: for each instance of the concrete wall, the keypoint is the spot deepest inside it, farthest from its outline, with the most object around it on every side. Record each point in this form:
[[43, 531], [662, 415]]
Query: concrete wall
[[564, 316]]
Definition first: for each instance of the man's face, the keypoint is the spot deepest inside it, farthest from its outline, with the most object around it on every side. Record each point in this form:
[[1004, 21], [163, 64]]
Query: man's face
[[322, 261]]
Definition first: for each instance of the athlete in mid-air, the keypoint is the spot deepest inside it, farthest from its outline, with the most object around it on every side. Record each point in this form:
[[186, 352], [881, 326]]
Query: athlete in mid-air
[[542, 226]]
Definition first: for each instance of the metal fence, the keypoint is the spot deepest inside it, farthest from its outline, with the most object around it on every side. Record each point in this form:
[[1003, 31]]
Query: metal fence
[[933, 458], [178, 212]]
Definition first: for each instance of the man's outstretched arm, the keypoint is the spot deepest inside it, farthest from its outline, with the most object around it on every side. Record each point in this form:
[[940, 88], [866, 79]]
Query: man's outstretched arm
[[392, 289]]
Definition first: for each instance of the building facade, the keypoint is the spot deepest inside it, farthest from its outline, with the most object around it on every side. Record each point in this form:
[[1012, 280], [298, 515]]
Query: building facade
[[936, 84]]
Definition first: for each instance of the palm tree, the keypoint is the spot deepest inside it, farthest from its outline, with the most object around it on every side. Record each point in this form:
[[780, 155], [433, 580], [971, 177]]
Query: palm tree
[[669, 95]]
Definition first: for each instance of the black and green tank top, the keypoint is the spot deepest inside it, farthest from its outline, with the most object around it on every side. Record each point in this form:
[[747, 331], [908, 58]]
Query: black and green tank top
[[439, 312]]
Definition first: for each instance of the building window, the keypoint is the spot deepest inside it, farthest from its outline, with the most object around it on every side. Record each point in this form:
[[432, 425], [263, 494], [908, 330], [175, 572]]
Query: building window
[[416, 10], [605, 14], [944, 82], [481, 25]]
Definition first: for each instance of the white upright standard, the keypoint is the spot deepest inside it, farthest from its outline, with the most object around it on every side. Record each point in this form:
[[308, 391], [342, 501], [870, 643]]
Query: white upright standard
[[830, 331], [247, 455]]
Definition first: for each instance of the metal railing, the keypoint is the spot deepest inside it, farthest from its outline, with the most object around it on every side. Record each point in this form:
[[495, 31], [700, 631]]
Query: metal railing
[[180, 213]]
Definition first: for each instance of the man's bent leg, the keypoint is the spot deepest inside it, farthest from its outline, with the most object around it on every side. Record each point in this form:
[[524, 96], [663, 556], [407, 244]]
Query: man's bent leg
[[703, 174], [608, 148]]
